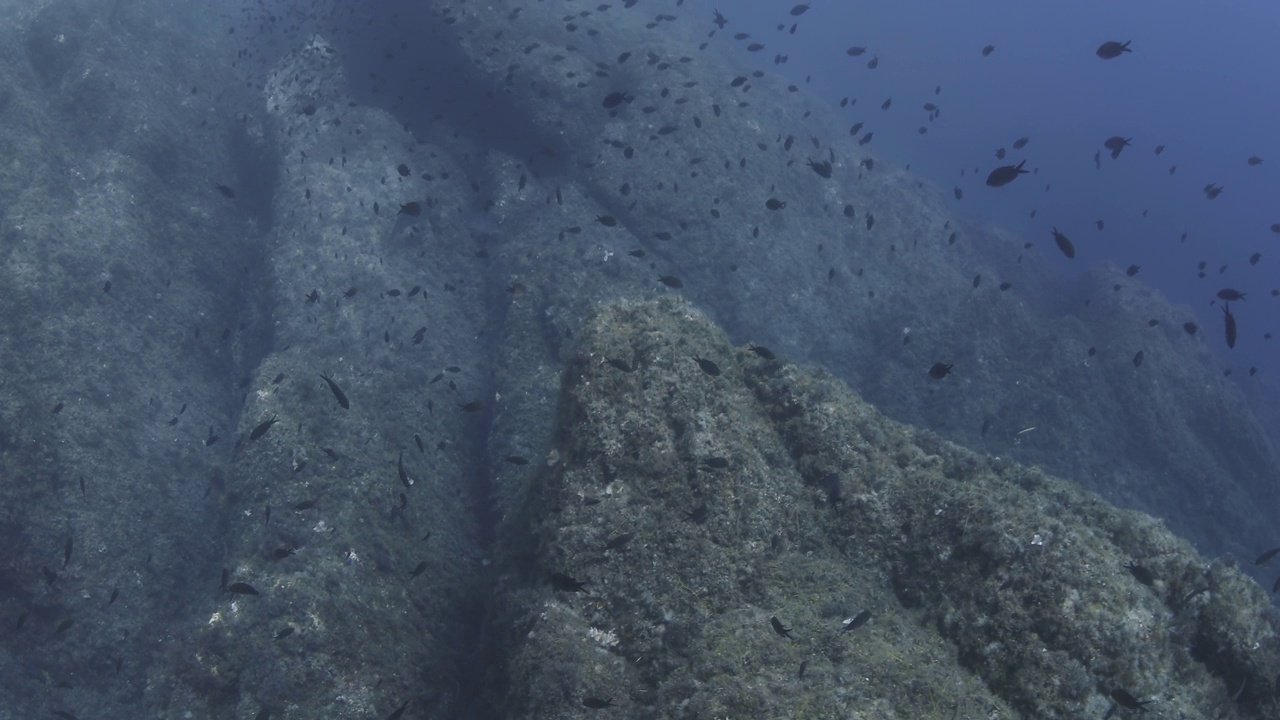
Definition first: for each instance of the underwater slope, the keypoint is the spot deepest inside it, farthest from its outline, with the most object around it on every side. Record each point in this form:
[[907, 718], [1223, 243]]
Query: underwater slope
[[723, 534]]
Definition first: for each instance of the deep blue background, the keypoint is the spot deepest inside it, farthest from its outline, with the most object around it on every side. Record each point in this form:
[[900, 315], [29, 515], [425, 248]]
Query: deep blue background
[[1201, 80]]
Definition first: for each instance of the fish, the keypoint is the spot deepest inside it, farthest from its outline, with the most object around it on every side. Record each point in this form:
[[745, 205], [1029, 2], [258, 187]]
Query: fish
[[403, 170], [242, 588], [1115, 144], [1141, 574], [958, 193], [337, 392], [1021, 143], [988, 50], [1127, 701], [66, 552], [1231, 294], [855, 51], [404, 475], [561, 581], [618, 542], [412, 209], [707, 366], [856, 621], [1005, 174], [516, 460], [613, 100], [65, 625], [1212, 191], [1230, 322], [1132, 270], [398, 711], [939, 370], [671, 281], [778, 628], [1000, 153], [262, 428], [471, 407], [1064, 244], [1254, 160], [596, 703], [719, 20], [283, 633], [619, 364], [1137, 359], [418, 569], [823, 168], [1190, 327], [1111, 49], [774, 204], [799, 10], [1266, 556], [226, 191], [716, 463], [762, 351], [607, 220]]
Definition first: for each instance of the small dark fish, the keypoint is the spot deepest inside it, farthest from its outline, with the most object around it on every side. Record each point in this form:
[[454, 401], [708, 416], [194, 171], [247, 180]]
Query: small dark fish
[[412, 209], [799, 10], [115, 594], [618, 542], [1021, 143], [774, 204], [716, 463], [1005, 174], [613, 100], [304, 505], [1141, 574], [762, 351], [1137, 359], [66, 552], [855, 51], [699, 514], [471, 407], [57, 408], [241, 588], [1127, 701], [707, 366], [515, 460], [1064, 244], [619, 364], [1132, 270], [262, 428], [418, 569], [988, 50], [283, 633], [607, 220], [671, 281], [1190, 327], [1115, 144], [399, 711], [939, 370], [1231, 295], [1254, 160], [596, 703], [65, 715], [958, 193], [64, 626], [1111, 49], [1230, 321], [226, 191], [560, 581], [778, 628], [1266, 556], [337, 392], [823, 168], [856, 621], [404, 475]]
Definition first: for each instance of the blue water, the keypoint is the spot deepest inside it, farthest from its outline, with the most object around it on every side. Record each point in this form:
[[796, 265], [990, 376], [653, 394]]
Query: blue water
[[1198, 80]]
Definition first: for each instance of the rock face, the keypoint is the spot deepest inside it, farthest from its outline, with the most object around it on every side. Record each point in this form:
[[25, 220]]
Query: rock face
[[702, 538]]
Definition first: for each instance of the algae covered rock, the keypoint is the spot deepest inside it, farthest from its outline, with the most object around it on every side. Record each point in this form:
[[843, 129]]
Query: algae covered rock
[[750, 539]]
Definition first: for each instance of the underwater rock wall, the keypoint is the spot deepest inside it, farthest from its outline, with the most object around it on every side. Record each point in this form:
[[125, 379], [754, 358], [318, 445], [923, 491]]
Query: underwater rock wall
[[723, 534]]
